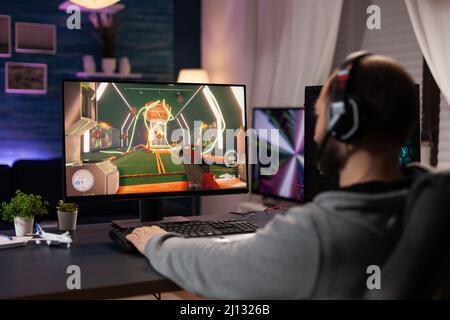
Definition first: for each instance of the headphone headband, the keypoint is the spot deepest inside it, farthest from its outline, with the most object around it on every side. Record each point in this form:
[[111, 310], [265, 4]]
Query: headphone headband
[[353, 58]]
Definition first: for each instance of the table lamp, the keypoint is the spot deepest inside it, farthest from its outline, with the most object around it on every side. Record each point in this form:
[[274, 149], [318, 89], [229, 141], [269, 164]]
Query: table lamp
[[193, 76]]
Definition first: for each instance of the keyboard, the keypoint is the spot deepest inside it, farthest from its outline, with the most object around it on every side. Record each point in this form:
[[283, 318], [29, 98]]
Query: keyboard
[[188, 229]]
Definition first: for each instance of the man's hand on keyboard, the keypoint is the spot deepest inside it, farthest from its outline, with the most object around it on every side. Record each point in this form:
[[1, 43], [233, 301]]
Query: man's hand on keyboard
[[140, 236]]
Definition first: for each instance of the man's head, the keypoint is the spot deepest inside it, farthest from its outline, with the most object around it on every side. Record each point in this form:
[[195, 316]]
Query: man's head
[[387, 100]]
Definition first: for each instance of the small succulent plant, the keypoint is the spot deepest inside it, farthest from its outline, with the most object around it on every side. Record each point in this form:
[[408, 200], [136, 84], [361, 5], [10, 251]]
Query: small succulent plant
[[67, 207]]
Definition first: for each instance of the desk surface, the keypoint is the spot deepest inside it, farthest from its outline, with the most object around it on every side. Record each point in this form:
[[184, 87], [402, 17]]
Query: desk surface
[[40, 271]]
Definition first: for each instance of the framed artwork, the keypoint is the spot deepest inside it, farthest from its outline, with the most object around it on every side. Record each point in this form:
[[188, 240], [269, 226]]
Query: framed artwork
[[26, 78], [5, 36], [35, 38]]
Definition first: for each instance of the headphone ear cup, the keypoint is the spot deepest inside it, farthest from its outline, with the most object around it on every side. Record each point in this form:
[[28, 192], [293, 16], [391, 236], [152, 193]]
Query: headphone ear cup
[[344, 120], [350, 124], [336, 111]]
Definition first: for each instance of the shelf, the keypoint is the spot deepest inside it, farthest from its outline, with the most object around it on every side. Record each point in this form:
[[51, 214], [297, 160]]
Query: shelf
[[109, 75], [110, 10]]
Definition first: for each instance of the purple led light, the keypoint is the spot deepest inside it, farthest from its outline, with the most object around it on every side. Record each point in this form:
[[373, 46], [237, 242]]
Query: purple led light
[[11, 151]]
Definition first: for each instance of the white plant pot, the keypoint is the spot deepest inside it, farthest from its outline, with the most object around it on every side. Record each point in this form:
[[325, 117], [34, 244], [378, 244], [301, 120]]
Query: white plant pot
[[23, 226], [109, 65], [88, 63], [67, 220], [124, 66]]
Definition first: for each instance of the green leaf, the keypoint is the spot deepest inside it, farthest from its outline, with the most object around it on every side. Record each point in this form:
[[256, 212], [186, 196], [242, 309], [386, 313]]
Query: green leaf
[[24, 206]]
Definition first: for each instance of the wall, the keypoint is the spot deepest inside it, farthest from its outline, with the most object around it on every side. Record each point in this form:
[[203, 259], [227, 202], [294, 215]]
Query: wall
[[187, 34], [30, 126]]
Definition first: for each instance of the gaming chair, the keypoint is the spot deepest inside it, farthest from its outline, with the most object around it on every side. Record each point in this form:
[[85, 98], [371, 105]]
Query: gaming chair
[[419, 265]]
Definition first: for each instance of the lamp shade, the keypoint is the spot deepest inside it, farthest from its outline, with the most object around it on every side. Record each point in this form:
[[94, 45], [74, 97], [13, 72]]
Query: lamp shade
[[94, 4], [193, 76]]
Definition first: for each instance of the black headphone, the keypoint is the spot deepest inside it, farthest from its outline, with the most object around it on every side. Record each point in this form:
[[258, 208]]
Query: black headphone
[[344, 114]]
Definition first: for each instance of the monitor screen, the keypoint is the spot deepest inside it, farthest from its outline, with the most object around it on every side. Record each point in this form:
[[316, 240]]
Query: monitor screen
[[153, 139], [288, 182], [315, 182]]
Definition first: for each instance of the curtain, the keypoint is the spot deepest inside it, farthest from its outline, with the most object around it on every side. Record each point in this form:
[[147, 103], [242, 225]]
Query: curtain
[[228, 40], [295, 47], [431, 23], [274, 47]]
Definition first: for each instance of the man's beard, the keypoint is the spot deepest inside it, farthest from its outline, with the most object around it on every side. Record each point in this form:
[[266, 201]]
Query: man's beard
[[332, 159]]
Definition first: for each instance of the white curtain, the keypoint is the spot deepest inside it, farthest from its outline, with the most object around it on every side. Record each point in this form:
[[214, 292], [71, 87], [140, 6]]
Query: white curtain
[[228, 40], [431, 23], [275, 47], [295, 47]]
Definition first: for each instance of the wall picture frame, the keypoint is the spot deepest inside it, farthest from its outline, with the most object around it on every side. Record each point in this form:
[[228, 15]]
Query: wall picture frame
[[5, 36], [26, 78], [35, 38]]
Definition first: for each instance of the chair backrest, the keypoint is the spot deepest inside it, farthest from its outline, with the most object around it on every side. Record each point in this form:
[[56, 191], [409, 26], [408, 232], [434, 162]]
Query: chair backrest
[[420, 261]]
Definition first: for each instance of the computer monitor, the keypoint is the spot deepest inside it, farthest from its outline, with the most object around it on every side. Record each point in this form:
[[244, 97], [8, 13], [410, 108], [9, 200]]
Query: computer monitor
[[138, 140], [314, 181], [288, 182]]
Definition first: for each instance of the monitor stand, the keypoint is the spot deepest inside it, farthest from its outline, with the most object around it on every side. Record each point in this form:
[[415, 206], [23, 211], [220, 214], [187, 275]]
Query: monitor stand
[[150, 210]]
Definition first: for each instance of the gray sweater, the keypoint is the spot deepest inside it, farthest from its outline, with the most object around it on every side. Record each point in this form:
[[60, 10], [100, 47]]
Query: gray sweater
[[320, 250]]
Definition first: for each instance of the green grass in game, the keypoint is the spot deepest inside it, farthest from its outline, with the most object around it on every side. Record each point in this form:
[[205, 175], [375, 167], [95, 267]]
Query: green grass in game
[[142, 162]]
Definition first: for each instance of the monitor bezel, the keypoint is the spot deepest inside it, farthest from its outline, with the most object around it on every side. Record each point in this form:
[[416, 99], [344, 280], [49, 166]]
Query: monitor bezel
[[269, 195], [150, 195]]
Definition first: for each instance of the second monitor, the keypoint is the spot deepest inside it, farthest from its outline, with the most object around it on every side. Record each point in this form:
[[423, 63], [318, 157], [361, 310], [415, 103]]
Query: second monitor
[[298, 178], [288, 182]]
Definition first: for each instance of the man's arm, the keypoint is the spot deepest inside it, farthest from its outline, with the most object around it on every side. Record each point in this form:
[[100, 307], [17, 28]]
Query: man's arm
[[279, 262]]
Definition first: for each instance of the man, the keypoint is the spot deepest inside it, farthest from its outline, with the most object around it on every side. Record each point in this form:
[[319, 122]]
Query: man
[[322, 249]]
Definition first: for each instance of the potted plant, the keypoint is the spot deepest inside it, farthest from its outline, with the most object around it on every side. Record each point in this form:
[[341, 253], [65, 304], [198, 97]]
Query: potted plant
[[67, 215], [106, 26], [21, 210]]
